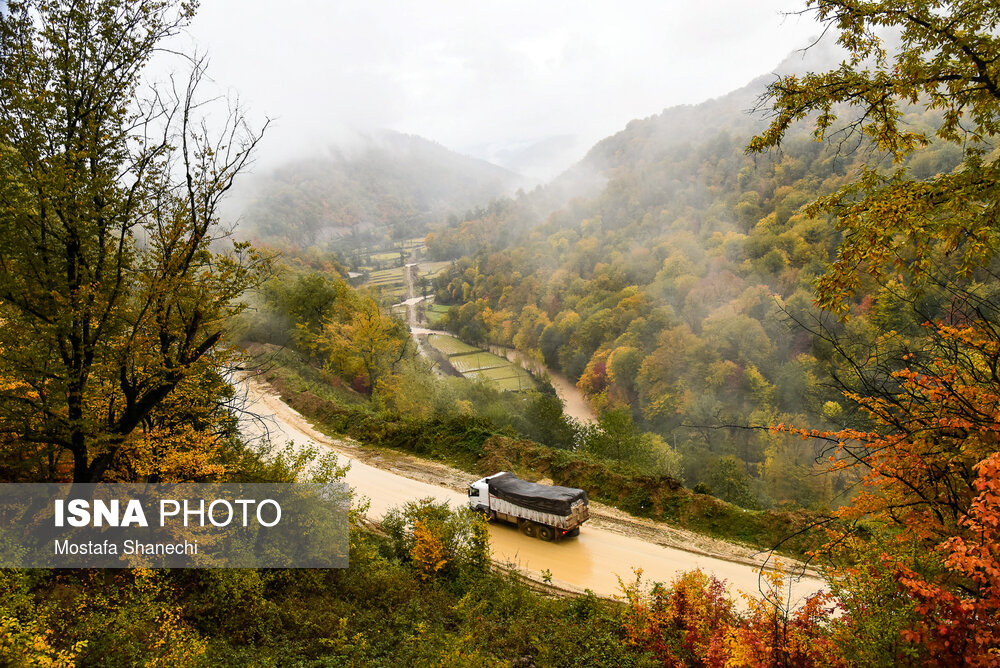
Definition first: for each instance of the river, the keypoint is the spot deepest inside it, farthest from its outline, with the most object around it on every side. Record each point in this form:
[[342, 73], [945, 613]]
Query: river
[[575, 405]]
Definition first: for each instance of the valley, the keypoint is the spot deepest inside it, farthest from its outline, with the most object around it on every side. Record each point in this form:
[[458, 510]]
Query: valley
[[755, 326]]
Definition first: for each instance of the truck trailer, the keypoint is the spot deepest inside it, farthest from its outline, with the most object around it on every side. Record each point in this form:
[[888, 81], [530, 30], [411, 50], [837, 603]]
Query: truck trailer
[[547, 511]]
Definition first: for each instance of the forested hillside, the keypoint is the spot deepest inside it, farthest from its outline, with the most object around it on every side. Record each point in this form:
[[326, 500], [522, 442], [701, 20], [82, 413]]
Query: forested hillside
[[679, 290], [376, 185], [799, 309]]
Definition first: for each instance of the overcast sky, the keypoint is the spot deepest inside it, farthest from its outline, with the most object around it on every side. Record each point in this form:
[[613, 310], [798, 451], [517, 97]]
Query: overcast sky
[[480, 76]]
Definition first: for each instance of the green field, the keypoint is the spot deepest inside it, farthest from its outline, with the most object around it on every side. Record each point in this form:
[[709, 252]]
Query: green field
[[394, 275], [476, 362], [514, 384], [434, 313], [509, 370], [449, 345], [430, 269], [510, 377], [391, 282], [385, 257]]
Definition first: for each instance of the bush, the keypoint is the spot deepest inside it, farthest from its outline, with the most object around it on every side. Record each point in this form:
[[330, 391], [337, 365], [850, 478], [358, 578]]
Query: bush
[[438, 542]]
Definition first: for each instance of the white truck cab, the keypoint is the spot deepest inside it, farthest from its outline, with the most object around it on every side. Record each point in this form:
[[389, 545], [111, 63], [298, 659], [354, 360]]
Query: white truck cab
[[479, 495]]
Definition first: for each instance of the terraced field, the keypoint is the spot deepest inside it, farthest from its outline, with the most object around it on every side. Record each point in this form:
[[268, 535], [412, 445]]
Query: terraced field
[[477, 362], [393, 281], [474, 363], [390, 281], [449, 345]]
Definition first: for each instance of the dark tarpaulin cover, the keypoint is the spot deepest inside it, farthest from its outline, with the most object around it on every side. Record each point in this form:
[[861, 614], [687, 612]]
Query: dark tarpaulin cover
[[544, 498]]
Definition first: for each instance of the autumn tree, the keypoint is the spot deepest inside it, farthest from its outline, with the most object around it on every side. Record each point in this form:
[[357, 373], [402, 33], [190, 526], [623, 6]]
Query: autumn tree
[[362, 342], [893, 220], [929, 450], [114, 286]]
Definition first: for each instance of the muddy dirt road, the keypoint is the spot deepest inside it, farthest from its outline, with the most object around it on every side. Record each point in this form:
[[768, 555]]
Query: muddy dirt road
[[611, 545]]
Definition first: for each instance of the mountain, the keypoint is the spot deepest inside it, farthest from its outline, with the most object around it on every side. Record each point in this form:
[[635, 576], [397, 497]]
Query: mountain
[[539, 160], [376, 184], [668, 284]]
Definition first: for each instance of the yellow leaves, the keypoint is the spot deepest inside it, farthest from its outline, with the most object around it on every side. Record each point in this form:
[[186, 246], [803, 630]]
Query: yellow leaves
[[367, 343], [27, 644], [174, 454], [429, 553]]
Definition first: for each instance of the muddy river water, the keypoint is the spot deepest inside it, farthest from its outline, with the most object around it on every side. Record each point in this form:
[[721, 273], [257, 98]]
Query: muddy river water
[[593, 560]]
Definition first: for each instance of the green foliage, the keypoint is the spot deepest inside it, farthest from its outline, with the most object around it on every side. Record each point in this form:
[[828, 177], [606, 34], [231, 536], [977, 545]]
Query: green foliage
[[615, 436], [907, 218], [659, 304], [730, 482], [377, 612], [115, 283], [698, 261], [874, 613], [461, 537]]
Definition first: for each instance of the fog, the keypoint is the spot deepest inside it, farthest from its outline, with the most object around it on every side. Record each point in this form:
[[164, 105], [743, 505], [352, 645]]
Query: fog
[[528, 85]]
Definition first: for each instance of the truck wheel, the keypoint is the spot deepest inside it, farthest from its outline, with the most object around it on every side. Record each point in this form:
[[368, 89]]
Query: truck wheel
[[528, 529], [546, 533]]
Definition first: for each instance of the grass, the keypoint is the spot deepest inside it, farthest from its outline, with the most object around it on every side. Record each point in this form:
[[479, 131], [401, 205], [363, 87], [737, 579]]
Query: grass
[[390, 282], [430, 269], [434, 313], [515, 384], [507, 382], [476, 361], [500, 373], [394, 275], [386, 257], [449, 345], [285, 368]]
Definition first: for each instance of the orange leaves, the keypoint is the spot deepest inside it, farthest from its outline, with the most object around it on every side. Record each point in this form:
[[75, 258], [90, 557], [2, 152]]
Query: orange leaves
[[684, 623], [693, 622], [932, 470], [772, 634]]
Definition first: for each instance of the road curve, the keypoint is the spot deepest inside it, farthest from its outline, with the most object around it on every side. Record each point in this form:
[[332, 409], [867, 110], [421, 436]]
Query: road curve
[[594, 560]]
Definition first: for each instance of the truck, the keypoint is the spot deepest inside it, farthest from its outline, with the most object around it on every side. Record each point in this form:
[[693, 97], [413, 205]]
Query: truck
[[547, 511]]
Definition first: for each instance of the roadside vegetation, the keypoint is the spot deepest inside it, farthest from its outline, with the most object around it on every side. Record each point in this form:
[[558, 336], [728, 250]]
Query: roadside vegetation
[[482, 429]]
